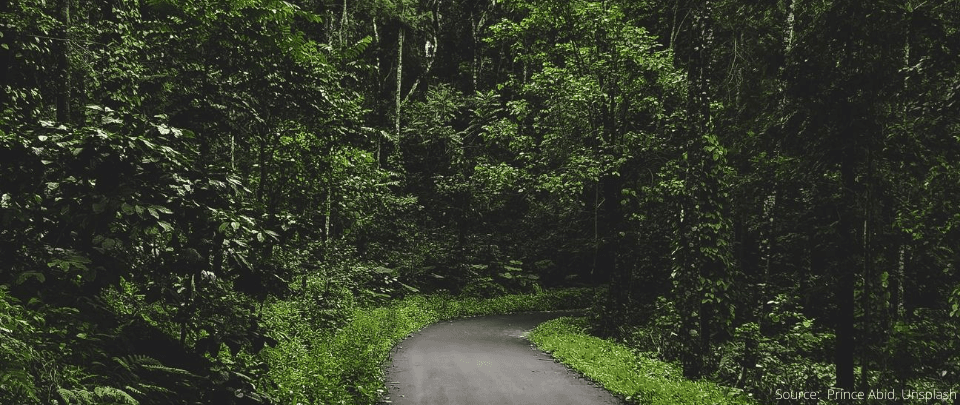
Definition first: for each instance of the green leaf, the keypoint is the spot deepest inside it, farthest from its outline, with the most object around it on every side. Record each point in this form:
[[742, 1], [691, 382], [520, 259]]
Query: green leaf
[[23, 277]]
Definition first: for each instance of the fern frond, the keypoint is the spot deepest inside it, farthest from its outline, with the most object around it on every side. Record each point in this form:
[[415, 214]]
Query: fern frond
[[123, 364], [153, 389], [133, 390], [141, 360], [166, 369], [79, 397], [117, 395]]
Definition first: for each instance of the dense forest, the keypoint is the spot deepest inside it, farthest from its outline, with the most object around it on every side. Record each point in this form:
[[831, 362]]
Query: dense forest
[[766, 192]]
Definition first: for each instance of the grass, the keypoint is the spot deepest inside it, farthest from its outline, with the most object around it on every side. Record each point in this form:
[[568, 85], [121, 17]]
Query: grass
[[636, 378], [344, 366]]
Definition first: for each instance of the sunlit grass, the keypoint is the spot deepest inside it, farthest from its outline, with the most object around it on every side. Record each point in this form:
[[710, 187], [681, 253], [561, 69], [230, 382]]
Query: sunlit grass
[[638, 379]]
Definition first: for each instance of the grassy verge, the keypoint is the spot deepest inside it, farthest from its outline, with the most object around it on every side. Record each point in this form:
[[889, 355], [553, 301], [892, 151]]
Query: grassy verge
[[344, 366], [638, 379]]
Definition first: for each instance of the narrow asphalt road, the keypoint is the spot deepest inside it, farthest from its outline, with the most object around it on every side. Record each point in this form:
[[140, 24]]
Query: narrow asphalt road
[[484, 360]]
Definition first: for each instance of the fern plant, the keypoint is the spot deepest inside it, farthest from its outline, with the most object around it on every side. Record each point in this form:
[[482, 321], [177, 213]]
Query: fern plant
[[100, 395], [16, 355]]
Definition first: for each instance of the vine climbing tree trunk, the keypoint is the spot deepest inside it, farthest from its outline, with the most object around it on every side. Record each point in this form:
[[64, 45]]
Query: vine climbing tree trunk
[[702, 247]]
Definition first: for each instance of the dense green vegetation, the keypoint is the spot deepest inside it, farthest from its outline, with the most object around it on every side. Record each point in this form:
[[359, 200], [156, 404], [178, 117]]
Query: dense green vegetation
[[314, 365], [192, 191], [638, 378]]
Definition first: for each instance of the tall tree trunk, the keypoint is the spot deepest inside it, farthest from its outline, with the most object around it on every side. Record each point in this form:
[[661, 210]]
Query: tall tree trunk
[[343, 25], [330, 31], [396, 118], [896, 287], [701, 248], [788, 31], [64, 88], [476, 56], [476, 30], [378, 86]]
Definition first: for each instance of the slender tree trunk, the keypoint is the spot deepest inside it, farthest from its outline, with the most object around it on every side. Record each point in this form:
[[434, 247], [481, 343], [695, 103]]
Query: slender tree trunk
[[343, 25], [396, 118], [476, 28], [787, 49], [596, 229], [675, 26], [378, 85], [329, 212], [895, 306], [897, 303], [791, 12], [64, 88], [896, 287], [330, 30], [262, 157], [766, 251], [476, 52]]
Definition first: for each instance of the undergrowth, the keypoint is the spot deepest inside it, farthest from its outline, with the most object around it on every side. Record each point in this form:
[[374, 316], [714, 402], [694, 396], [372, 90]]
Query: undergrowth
[[343, 366], [637, 378]]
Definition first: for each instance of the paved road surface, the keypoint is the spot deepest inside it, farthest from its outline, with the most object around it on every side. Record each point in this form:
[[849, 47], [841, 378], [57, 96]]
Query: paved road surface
[[484, 360]]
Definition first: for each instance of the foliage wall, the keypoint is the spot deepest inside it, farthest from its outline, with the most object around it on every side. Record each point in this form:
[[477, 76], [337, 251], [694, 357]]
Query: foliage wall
[[768, 188]]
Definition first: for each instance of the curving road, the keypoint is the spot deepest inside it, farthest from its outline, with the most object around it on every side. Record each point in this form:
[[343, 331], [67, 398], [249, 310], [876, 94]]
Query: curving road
[[484, 360]]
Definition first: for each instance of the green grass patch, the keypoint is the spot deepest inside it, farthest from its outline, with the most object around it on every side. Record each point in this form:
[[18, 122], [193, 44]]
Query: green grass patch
[[343, 366], [637, 378]]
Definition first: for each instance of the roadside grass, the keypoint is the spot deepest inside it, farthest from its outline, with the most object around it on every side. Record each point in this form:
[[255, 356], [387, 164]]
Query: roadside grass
[[317, 366], [636, 378]]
